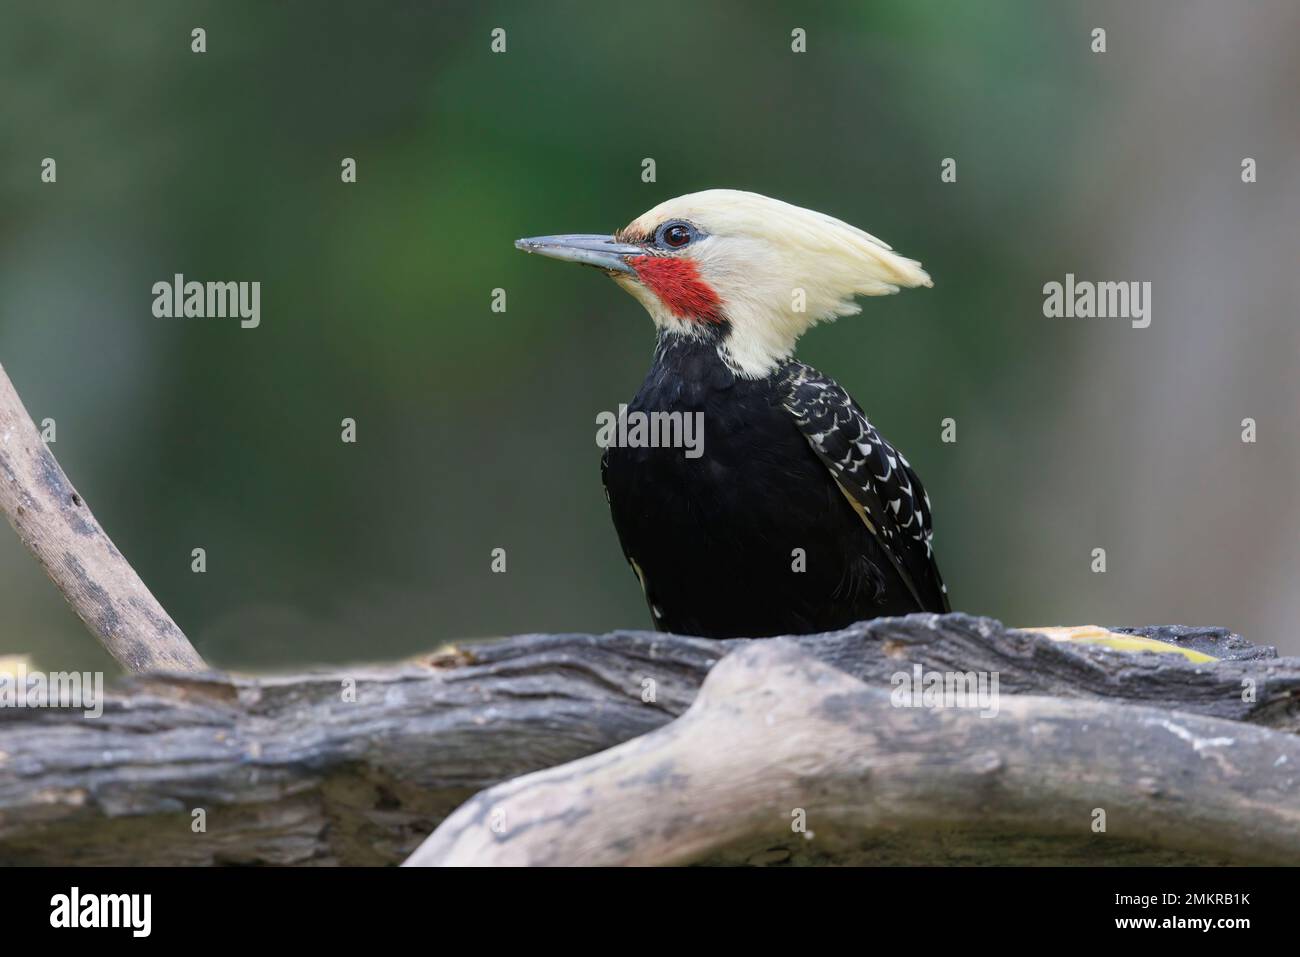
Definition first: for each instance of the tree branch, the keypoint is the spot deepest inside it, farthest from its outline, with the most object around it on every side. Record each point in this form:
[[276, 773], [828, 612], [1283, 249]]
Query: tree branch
[[358, 766], [784, 759], [58, 528]]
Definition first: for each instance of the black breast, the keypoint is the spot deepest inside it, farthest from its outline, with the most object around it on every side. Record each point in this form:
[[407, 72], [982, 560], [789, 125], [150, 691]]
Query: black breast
[[753, 537]]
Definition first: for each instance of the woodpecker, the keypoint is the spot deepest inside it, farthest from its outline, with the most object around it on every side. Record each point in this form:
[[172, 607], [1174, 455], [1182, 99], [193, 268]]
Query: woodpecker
[[795, 516]]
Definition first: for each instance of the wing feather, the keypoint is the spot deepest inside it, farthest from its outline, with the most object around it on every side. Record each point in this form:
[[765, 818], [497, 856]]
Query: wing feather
[[877, 480]]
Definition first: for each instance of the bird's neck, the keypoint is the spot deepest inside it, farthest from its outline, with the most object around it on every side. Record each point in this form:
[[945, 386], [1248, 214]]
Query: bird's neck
[[707, 352]]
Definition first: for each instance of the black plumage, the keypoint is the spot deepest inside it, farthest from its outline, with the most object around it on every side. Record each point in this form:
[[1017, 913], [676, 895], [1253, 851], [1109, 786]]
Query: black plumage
[[789, 463]]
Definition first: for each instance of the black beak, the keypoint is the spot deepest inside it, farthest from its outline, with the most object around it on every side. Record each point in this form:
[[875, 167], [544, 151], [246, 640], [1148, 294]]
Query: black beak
[[603, 252]]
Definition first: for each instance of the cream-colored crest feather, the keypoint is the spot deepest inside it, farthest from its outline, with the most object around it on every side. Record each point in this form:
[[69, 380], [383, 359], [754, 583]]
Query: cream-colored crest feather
[[779, 270]]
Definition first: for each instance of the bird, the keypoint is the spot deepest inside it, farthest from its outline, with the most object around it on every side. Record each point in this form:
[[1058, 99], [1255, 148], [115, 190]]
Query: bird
[[794, 515]]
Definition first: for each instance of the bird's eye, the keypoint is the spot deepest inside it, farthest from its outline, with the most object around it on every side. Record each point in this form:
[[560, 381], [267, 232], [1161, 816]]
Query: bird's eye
[[676, 235]]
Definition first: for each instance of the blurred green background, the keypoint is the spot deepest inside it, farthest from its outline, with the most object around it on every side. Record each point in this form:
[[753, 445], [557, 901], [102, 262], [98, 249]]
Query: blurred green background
[[477, 429]]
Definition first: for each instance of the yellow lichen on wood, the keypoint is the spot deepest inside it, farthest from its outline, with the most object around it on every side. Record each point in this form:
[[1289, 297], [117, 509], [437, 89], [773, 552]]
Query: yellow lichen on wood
[[1094, 635]]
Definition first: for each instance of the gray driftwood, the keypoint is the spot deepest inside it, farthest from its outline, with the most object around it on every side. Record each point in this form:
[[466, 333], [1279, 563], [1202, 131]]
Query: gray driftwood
[[782, 758], [298, 769], [56, 525]]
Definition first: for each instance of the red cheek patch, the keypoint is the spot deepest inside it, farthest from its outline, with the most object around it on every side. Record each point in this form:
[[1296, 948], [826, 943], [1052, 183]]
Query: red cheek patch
[[677, 283]]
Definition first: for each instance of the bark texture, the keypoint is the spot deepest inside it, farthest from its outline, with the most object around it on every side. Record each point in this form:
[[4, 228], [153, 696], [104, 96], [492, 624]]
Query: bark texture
[[57, 527], [359, 765], [784, 759]]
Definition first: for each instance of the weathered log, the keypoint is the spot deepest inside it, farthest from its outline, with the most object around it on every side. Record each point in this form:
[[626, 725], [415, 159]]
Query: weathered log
[[359, 765], [56, 525], [782, 758]]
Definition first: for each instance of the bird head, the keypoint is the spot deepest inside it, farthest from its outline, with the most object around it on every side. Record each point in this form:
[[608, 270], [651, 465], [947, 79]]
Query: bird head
[[751, 272]]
